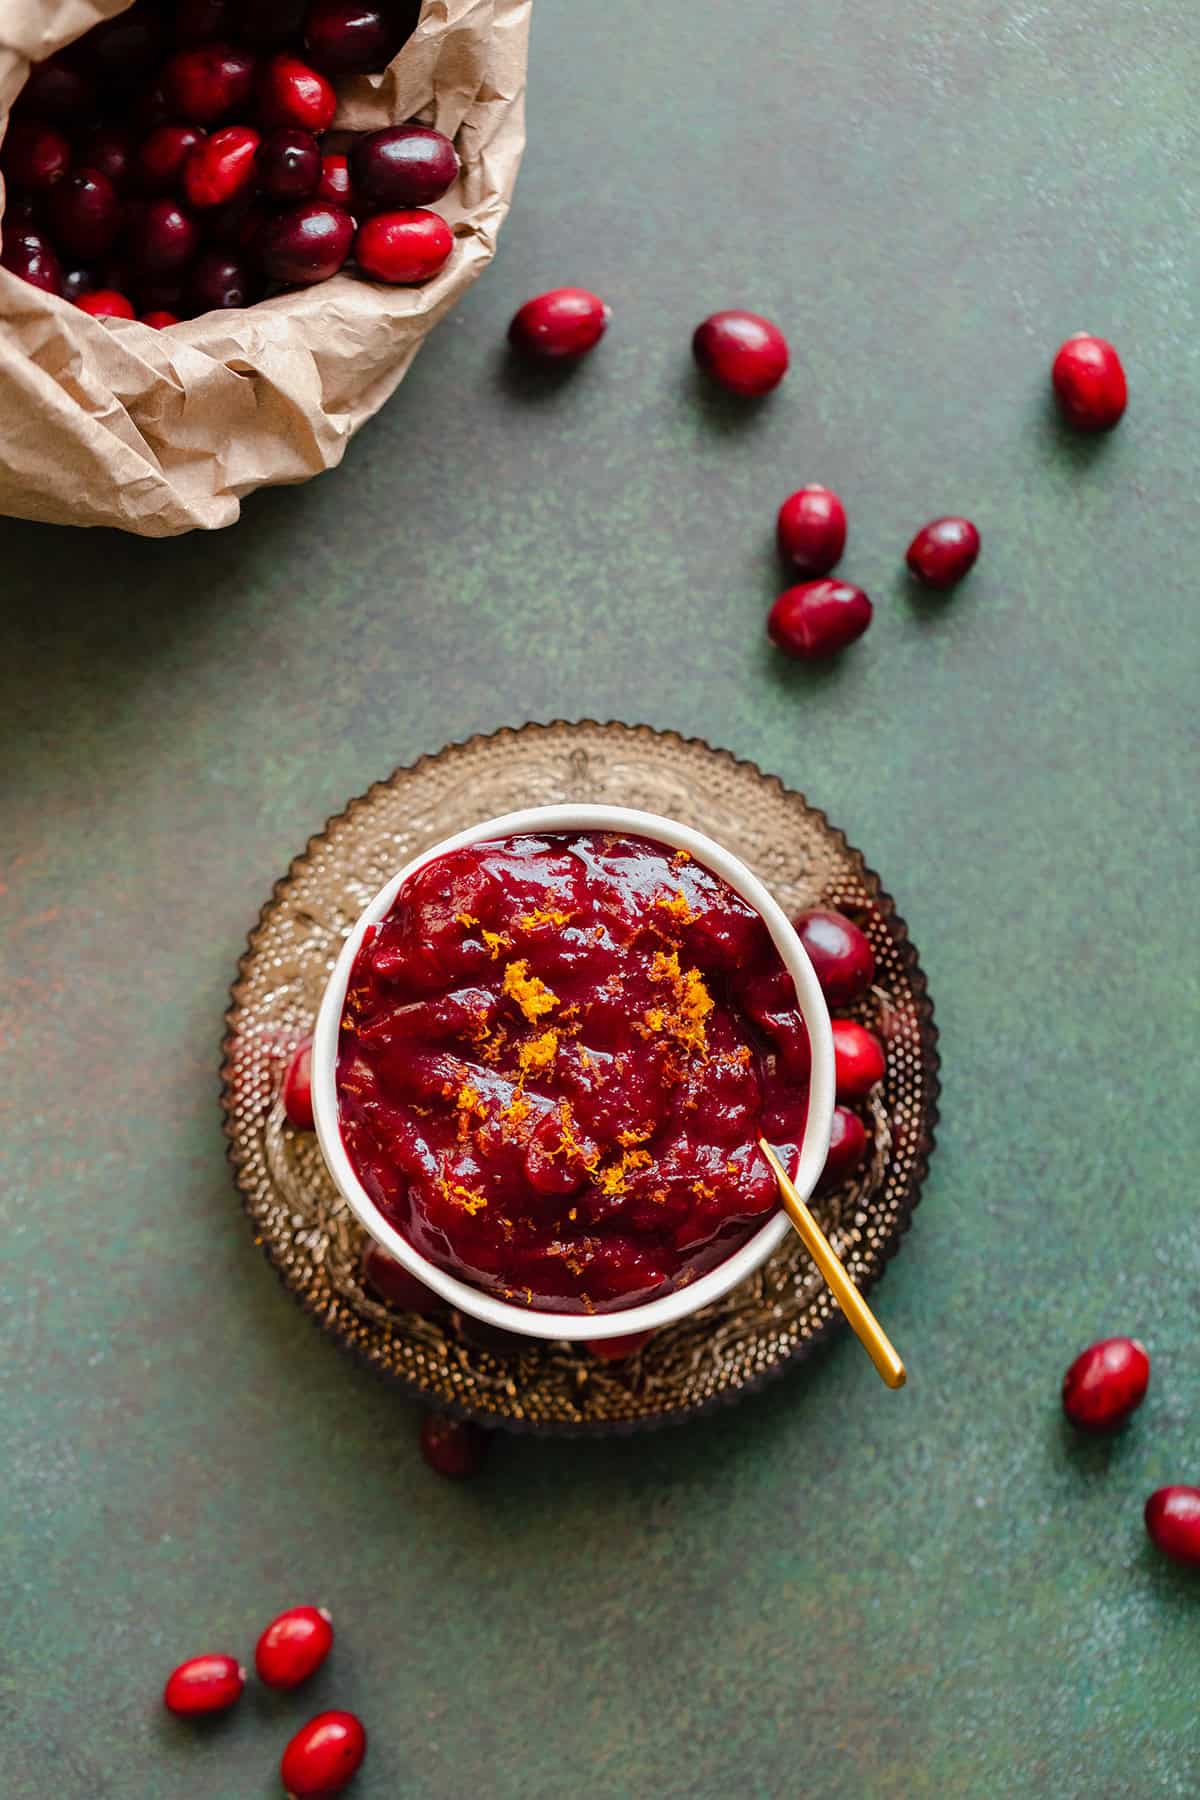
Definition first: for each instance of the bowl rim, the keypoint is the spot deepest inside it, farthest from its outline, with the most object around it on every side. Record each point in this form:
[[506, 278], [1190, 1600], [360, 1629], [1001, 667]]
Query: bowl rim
[[667, 1309]]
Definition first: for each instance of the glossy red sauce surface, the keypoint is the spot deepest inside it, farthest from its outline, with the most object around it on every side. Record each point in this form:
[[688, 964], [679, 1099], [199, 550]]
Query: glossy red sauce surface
[[557, 1054]]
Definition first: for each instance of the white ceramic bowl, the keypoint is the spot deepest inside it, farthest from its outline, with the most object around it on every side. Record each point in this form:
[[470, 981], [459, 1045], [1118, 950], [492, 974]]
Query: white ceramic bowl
[[653, 1313]]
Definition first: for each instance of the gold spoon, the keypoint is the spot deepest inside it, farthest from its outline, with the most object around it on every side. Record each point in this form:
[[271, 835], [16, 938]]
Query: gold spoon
[[870, 1332]]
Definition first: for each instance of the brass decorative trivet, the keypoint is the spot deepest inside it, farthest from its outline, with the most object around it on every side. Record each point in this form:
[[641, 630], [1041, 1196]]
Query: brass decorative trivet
[[315, 1242]]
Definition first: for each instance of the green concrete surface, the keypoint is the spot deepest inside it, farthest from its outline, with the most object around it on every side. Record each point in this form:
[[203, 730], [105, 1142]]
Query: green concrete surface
[[831, 1591]]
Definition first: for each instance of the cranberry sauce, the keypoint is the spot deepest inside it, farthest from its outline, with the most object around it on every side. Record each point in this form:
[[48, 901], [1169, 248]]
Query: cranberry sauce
[[557, 1055]]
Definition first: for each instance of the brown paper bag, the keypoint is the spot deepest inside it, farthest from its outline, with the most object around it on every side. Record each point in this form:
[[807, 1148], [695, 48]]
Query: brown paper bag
[[113, 423]]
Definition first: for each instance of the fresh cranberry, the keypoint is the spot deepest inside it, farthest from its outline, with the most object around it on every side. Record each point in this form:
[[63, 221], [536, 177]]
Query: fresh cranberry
[[85, 214], [1173, 1521], [77, 282], [847, 1146], [199, 21], [839, 952], [106, 303], [32, 257], [566, 322], [943, 552], [402, 166], [296, 1092], [288, 164], [1106, 1383], [454, 1447], [111, 149], [161, 156], [294, 1646], [290, 93], [151, 109], [323, 1756], [57, 89], [159, 321], [335, 184], [858, 1059], [221, 167], [403, 247], [204, 1684], [1089, 383], [162, 238], [217, 282], [34, 155], [746, 354], [393, 1283], [269, 24], [818, 618], [346, 37], [209, 82], [811, 530], [305, 243], [616, 1349]]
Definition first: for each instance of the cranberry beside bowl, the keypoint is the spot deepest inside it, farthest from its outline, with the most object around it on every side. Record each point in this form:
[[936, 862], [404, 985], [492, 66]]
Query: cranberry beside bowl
[[560, 827]]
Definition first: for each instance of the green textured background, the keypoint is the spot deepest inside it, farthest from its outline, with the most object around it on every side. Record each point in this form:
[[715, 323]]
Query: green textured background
[[831, 1591]]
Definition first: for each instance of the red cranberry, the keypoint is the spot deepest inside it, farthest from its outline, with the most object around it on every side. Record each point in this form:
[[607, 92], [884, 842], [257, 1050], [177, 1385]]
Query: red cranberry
[[151, 109], [106, 303], [393, 1283], [347, 37], [403, 247], [85, 214], [847, 1146], [269, 24], [335, 184], [566, 322], [34, 155], [1089, 383], [77, 282], [209, 82], [32, 257], [199, 21], [294, 1646], [296, 1092], [56, 90], [818, 618], [161, 156], [811, 530], [288, 165], [290, 93], [454, 1447], [616, 1349], [943, 552], [306, 243], [121, 50], [323, 1756], [159, 321], [1106, 1383], [163, 238], [402, 166], [111, 149], [1173, 1521], [217, 282], [746, 354], [858, 1059], [221, 167], [204, 1684], [840, 953]]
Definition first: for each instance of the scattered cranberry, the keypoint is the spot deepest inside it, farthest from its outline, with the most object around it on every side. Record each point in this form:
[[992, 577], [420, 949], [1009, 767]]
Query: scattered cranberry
[[746, 354], [1173, 1521], [616, 1349], [162, 238], [818, 618], [204, 1684], [840, 954], [209, 82], [221, 167], [403, 166], [110, 148], [32, 257], [566, 322], [269, 24], [811, 530], [335, 183], [858, 1058], [403, 247], [296, 1092], [294, 1646], [106, 303], [943, 552], [57, 90], [323, 1756], [1106, 1383], [162, 154], [34, 155], [85, 214], [217, 282], [1089, 383], [76, 282], [454, 1447], [199, 21], [288, 164], [393, 1283], [290, 93], [159, 321], [347, 37], [847, 1146]]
